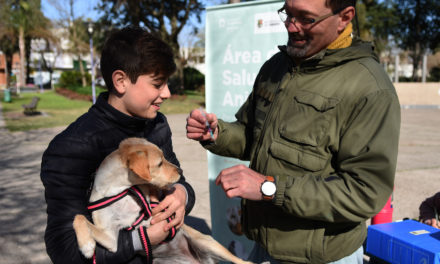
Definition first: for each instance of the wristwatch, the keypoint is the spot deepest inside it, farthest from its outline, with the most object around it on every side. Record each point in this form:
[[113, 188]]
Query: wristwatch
[[268, 188]]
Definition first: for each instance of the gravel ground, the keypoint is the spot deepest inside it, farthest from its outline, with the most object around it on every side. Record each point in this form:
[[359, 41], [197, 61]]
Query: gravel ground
[[22, 206]]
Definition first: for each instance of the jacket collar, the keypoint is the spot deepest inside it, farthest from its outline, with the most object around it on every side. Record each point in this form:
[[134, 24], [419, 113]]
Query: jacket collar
[[328, 58], [118, 117]]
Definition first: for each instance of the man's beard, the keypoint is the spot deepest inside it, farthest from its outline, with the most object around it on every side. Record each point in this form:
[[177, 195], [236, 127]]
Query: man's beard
[[297, 52]]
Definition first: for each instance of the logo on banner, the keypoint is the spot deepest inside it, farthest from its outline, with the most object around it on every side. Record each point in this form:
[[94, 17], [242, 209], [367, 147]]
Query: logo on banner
[[268, 22], [230, 24]]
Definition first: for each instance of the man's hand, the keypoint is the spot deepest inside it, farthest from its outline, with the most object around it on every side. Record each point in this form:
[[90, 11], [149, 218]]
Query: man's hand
[[199, 126], [172, 206], [241, 181]]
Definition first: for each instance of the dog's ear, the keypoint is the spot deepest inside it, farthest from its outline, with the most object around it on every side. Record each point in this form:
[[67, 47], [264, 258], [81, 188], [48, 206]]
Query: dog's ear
[[138, 162]]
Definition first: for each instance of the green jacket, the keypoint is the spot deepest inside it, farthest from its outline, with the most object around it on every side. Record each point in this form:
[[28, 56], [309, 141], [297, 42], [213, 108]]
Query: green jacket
[[328, 131]]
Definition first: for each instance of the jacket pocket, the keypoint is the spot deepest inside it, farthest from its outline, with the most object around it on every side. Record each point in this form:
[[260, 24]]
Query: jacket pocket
[[296, 156], [294, 240], [307, 119]]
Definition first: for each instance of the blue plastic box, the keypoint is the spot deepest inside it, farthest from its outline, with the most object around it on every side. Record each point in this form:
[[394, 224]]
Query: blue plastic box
[[404, 242]]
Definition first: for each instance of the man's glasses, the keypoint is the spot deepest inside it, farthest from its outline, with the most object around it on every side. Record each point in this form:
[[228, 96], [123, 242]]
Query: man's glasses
[[304, 21]]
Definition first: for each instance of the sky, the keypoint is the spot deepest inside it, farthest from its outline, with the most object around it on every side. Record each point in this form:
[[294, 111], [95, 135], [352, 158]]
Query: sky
[[85, 8], [81, 8]]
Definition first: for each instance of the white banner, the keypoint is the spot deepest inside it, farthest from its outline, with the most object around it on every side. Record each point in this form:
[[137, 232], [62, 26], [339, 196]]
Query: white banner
[[239, 39]]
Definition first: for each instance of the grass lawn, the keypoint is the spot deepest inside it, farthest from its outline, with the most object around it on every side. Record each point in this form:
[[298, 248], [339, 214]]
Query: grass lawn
[[56, 110], [183, 104]]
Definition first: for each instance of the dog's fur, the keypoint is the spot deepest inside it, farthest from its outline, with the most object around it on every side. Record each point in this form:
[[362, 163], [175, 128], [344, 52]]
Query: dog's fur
[[139, 162]]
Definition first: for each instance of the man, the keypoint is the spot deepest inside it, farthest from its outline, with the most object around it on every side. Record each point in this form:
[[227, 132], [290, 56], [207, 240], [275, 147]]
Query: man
[[321, 131]]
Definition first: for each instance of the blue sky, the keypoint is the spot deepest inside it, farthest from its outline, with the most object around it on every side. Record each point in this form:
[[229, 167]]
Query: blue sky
[[81, 8], [85, 8]]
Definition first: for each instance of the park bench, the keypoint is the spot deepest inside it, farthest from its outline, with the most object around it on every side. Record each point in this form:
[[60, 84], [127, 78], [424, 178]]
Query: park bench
[[31, 108]]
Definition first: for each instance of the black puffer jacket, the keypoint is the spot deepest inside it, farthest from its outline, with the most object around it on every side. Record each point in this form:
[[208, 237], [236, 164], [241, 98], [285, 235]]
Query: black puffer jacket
[[66, 169]]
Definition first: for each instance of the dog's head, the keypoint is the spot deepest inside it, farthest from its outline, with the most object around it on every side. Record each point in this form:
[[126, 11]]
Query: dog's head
[[147, 163]]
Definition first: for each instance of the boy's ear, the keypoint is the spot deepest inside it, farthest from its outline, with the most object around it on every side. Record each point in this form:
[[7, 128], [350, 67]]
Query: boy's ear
[[120, 80]]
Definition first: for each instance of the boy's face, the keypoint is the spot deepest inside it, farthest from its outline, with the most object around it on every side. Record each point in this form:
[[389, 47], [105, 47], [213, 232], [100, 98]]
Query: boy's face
[[143, 98]]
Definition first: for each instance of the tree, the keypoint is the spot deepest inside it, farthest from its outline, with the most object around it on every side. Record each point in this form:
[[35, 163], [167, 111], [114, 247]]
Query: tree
[[27, 21], [8, 47], [8, 41], [376, 20], [418, 30], [165, 19], [75, 30], [21, 21], [49, 45]]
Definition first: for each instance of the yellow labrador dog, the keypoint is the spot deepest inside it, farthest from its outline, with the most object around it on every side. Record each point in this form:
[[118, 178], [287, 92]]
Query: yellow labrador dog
[[139, 167]]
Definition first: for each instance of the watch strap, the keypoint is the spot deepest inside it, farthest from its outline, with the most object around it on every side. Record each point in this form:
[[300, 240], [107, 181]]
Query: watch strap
[[268, 197]]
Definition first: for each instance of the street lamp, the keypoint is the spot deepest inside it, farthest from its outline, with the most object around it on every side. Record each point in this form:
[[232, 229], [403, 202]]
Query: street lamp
[[92, 64]]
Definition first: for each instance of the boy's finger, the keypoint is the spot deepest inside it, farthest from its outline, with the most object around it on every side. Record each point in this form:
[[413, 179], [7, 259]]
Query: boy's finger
[[176, 222], [160, 217], [158, 209]]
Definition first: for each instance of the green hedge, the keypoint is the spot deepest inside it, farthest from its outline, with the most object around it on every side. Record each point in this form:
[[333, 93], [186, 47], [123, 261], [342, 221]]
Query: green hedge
[[72, 79], [194, 80]]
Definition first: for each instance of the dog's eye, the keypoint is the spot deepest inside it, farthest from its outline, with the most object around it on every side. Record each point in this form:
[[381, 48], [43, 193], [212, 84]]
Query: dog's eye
[[160, 163]]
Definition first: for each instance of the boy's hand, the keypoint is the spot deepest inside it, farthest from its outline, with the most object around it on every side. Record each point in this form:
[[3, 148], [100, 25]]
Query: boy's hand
[[172, 206], [432, 222], [157, 233], [201, 126]]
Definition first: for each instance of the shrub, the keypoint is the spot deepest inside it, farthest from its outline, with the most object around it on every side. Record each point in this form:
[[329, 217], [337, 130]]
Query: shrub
[[174, 85], [193, 80], [72, 79], [434, 74]]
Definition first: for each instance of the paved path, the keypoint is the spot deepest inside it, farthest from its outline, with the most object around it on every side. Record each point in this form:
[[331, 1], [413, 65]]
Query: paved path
[[22, 206]]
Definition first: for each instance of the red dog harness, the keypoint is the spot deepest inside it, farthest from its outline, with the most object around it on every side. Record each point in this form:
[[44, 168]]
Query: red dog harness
[[144, 214]]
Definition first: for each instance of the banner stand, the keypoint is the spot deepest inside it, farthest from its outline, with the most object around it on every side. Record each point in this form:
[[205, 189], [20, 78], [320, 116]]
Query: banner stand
[[239, 39]]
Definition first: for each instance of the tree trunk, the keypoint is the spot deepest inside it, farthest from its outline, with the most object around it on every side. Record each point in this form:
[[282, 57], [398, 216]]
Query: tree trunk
[[27, 48], [81, 70], [416, 61], [233, 1], [21, 44], [417, 52], [180, 66], [7, 70]]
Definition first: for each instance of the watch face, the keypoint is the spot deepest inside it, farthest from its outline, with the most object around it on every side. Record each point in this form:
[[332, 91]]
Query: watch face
[[268, 188]]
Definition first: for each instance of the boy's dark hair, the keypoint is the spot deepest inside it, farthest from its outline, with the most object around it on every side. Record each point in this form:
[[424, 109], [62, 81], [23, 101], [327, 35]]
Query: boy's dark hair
[[135, 51]]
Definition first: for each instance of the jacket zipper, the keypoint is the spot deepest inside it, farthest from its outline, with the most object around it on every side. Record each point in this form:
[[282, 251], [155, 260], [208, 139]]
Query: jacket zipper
[[268, 117]]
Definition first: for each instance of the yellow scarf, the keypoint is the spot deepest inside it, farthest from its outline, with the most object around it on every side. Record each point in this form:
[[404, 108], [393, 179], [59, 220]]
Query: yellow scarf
[[344, 40]]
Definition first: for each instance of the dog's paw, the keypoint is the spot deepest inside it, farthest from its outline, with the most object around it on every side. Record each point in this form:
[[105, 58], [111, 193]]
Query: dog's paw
[[88, 249]]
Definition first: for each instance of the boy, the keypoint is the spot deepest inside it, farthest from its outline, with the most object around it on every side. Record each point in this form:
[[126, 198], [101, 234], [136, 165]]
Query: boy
[[135, 66], [429, 210]]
